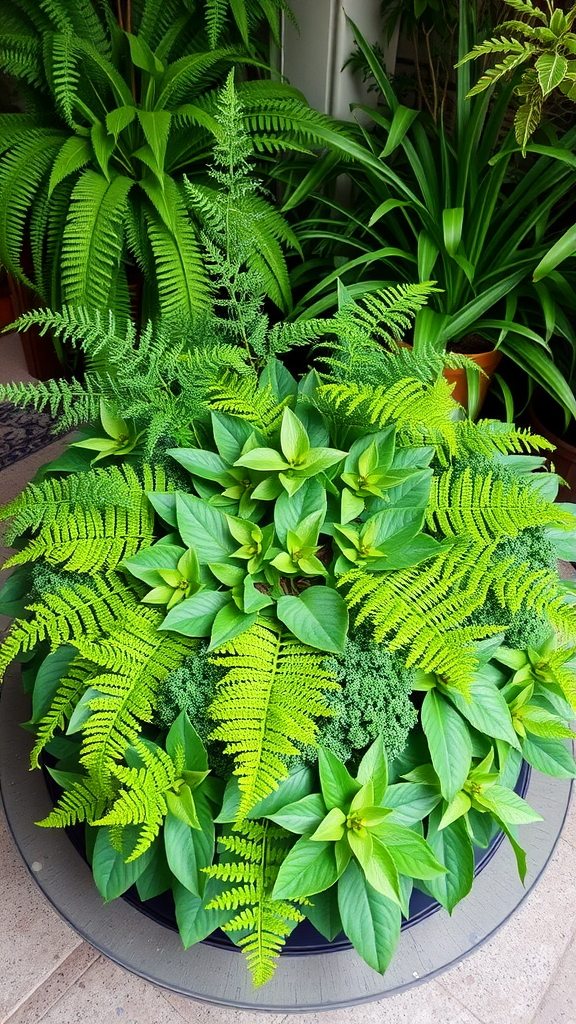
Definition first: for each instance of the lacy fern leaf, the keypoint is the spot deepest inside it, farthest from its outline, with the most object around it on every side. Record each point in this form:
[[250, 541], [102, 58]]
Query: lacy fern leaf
[[70, 689], [487, 509], [424, 612], [266, 704], [243, 397], [268, 922]]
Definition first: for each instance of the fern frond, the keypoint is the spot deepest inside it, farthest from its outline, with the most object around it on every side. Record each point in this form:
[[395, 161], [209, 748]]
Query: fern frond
[[69, 691], [421, 410], [490, 437], [142, 798], [267, 921], [84, 802], [424, 613], [265, 704], [77, 403], [242, 397], [131, 662], [72, 615], [487, 509]]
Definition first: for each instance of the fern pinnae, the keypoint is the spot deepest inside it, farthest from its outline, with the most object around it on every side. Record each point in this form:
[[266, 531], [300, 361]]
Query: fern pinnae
[[265, 704], [70, 689], [267, 922]]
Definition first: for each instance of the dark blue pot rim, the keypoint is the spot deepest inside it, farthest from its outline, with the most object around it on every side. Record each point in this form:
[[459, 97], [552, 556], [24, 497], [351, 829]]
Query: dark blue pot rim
[[305, 939]]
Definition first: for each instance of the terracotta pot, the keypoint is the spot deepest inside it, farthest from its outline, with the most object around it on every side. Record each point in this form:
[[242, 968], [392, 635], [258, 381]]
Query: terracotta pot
[[488, 362], [544, 410]]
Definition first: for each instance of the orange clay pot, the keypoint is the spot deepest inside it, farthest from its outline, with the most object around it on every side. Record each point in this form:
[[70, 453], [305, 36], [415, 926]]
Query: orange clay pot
[[488, 362]]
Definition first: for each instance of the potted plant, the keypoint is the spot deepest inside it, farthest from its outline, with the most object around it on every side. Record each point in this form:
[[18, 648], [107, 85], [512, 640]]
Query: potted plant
[[124, 111], [443, 202], [288, 641]]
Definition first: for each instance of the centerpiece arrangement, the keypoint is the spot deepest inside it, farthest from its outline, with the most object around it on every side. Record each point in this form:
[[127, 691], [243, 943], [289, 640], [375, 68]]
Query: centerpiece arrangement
[[287, 639]]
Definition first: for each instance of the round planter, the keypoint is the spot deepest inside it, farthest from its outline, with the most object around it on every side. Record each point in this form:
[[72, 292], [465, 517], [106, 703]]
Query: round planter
[[218, 975], [542, 411]]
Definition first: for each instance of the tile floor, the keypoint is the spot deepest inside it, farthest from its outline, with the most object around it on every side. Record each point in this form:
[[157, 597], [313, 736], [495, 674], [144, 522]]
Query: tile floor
[[524, 975]]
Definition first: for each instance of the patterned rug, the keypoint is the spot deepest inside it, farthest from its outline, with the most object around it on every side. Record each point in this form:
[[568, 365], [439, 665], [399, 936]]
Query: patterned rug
[[22, 432]]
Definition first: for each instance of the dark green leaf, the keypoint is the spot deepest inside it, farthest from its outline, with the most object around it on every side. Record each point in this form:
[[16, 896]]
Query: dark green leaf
[[449, 743], [452, 847], [309, 868], [338, 786], [370, 920], [319, 617]]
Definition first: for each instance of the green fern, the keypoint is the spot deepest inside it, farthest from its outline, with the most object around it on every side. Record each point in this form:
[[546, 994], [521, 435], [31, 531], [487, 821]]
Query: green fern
[[84, 802], [490, 437], [242, 397], [266, 704], [130, 664], [84, 538], [487, 509], [424, 612], [267, 922], [70, 689], [142, 798], [74, 614], [421, 410]]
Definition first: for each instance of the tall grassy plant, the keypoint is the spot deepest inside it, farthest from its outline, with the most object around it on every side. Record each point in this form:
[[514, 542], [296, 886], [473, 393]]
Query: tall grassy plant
[[446, 205]]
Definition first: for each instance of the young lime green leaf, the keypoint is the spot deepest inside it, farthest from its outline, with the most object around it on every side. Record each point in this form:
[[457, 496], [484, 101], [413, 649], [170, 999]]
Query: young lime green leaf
[[182, 806], [182, 736], [331, 828], [449, 743], [195, 616], [303, 816], [364, 797], [373, 767], [381, 871], [294, 439], [507, 805], [229, 622], [338, 786], [460, 805], [409, 851]]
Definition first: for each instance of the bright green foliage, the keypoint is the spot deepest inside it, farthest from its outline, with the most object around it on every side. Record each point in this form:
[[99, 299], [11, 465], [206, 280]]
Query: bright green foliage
[[142, 800], [485, 508], [70, 689], [190, 688], [488, 437], [247, 15], [419, 409], [260, 849], [425, 612], [374, 700], [247, 400], [547, 45], [131, 663], [75, 612], [97, 180], [73, 531], [84, 802], [266, 703]]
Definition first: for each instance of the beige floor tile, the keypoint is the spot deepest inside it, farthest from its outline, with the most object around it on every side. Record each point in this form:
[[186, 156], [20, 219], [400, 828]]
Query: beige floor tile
[[427, 1004], [107, 994], [34, 940], [203, 1013], [514, 968], [50, 991], [559, 1003]]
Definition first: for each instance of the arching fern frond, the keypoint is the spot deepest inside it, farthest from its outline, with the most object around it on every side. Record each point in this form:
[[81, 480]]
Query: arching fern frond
[[130, 664], [242, 397], [263, 847], [424, 612], [487, 509], [266, 704], [75, 403], [84, 802], [490, 437], [70, 689], [420, 410], [78, 534]]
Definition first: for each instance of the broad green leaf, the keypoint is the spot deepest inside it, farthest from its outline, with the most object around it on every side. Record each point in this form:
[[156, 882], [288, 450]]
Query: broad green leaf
[[485, 709], [519, 853], [118, 119], [550, 756], [267, 460], [401, 121], [142, 56], [182, 735], [49, 676], [373, 768], [381, 871], [205, 464], [507, 805], [457, 807], [309, 868], [564, 247], [297, 785], [148, 561], [370, 920], [452, 222], [164, 505], [323, 913], [203, 528], [188, 849], [228, 623], [338, 786], [449, 742], [290, 511], [156, 877], [452, 847], [410, 852], [156, 128], [331, 828], [230, 435], [111, 874], [410, 802], [551, 69], [293, 438], [303, 816], [193, 920], [195, 615], [319, 617]]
